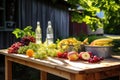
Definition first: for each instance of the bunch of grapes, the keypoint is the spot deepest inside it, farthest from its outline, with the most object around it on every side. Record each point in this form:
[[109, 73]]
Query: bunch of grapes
[[33, 46], [23, 49], [95, 59], [14, 47], [27, 39], [40, 54], [52, 46], [52, 52]]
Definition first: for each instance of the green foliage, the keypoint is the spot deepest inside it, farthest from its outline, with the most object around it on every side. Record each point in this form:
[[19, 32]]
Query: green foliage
[[114, 24], [80, 37], [25, 32], [116, 43], [110, 8], [94, 37], [90, 37]]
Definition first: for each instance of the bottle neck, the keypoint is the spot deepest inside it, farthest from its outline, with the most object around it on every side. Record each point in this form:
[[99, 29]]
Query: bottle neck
[[38, 27], [38, 24]]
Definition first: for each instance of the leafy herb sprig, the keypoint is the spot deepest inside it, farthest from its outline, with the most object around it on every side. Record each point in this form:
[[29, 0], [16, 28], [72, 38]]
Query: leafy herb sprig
[[27, 31]]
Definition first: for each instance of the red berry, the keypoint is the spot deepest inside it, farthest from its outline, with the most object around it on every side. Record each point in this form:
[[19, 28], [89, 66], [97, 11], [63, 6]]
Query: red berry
[[101, 58], [95, 58], [91, 54], [91, 60], [27, 39], [59, 54], [64, 55]]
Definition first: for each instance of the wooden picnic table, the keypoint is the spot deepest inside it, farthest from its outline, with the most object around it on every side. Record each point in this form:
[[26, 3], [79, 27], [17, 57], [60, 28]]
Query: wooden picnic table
[[71, 70]]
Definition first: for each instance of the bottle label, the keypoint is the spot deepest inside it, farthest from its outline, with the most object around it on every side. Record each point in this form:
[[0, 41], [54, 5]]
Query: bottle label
[[38, 38], [38, 41], [49, 35], [38, 35]]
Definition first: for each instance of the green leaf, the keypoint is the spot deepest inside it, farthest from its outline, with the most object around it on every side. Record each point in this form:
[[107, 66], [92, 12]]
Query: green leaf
[[18, 33], [111, 10], [27, 31]]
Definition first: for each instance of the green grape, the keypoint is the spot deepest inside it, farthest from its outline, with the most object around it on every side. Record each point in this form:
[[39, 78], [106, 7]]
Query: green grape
[[40, 54], [36, 56], [52, 52], [33, 46], [23, 49], [52, 46]]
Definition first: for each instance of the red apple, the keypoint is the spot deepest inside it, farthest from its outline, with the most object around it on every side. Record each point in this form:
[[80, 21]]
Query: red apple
[[73, 56], [85, 55]]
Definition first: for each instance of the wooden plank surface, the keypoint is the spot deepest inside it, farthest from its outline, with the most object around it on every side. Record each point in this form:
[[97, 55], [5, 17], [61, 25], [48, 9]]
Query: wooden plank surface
[[71, 66]]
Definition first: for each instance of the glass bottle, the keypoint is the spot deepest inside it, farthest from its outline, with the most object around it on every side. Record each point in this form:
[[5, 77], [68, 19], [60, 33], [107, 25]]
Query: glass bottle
[[38, 33], [49, 33]]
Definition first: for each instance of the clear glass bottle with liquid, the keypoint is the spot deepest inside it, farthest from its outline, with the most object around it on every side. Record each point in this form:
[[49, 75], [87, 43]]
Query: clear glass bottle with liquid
[[49, 34], [38, 33]]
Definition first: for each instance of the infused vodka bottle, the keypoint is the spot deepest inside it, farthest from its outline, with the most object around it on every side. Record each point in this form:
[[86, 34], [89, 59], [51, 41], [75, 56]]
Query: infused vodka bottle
[[38, 33], [49, 33]]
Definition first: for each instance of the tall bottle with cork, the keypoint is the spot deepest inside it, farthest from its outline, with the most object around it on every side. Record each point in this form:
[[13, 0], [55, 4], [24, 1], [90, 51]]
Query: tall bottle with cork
[[38, 33], [49, 34]]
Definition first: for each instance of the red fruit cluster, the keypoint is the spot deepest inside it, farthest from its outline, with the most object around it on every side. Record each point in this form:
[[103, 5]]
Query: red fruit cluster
[[95, 59], [62, 54], [88, 56], [27, 39], [73, 56], [14, 47]]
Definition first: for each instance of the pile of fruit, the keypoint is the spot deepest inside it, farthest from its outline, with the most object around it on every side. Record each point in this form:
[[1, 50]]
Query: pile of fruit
[[69, 44], [66, 48], [26, 36], [86, 56]]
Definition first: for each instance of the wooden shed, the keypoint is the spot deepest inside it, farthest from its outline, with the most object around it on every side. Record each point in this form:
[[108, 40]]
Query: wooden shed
[[22, 13]]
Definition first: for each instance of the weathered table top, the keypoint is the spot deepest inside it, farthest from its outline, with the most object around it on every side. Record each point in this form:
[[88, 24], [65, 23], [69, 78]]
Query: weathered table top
[[71, 66]]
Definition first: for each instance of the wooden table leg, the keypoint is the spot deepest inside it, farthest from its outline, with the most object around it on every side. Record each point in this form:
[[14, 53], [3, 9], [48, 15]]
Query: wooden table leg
[[8, 69], [78, 77], [43, 75], [119, 76]]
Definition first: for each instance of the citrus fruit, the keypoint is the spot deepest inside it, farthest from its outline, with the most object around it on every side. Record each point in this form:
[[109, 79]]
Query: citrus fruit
[[30, 53]]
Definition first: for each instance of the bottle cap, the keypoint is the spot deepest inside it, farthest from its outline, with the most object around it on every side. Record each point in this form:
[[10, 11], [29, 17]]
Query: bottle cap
[[49, 22], [38, 22]]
